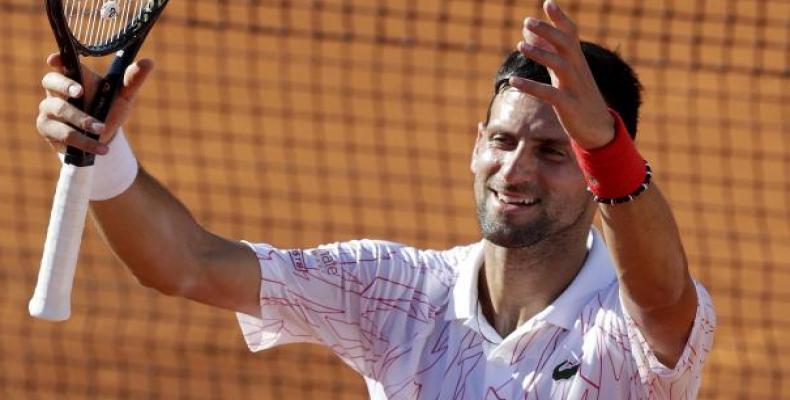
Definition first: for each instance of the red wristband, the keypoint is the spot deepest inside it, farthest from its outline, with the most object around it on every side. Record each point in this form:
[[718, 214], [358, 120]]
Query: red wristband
[[615, 170]]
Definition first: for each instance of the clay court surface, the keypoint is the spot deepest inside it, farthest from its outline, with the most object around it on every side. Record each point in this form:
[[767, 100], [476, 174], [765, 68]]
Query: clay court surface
[[305, 122]]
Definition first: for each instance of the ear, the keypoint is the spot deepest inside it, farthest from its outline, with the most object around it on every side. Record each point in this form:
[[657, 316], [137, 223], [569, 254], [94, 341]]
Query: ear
[[473, 163]]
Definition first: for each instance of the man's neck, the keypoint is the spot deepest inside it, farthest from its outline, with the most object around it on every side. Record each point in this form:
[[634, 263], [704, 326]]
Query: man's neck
[[516, 284]]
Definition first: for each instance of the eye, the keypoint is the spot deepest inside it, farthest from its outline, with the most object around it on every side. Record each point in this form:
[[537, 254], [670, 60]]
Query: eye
[[502, 140], [552, 153]]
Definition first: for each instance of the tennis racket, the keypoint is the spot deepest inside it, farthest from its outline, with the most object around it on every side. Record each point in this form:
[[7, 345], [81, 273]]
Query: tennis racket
[[92, 28]]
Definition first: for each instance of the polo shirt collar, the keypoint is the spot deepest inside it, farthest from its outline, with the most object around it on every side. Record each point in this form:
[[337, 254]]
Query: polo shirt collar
[[596, 274]]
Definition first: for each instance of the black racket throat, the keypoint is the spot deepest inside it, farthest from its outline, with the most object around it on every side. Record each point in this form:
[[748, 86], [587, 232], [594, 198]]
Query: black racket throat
[[125, 44]]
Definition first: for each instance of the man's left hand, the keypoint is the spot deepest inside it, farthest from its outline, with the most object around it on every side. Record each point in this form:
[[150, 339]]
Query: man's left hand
[[579, 105]]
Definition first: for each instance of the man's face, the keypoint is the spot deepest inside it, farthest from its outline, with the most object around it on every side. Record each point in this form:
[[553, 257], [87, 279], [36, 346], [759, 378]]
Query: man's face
[[528, 186]]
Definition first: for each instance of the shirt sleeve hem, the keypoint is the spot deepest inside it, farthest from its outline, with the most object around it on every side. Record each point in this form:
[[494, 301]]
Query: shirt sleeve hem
[[704, 322]]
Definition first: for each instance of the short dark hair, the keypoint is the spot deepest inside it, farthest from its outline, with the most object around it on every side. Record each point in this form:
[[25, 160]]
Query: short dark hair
[[616, 80]]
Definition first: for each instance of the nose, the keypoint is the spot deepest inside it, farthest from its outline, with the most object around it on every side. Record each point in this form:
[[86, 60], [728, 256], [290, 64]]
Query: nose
[[519, 166]]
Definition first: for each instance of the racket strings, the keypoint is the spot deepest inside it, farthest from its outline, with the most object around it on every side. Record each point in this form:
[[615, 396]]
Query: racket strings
[[96, 23]]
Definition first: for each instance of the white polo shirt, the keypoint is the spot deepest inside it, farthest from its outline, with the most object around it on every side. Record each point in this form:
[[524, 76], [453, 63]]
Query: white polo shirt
[[409, 321]]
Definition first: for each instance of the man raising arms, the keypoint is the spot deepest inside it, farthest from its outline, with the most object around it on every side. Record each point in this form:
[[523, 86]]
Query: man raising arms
[[539, 308]]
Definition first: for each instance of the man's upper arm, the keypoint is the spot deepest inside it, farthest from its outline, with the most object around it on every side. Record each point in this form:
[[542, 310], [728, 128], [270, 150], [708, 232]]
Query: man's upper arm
[[229, 277], [360, 298], [357, 298]]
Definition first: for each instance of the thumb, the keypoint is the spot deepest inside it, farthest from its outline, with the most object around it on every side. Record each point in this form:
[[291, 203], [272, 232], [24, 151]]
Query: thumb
[[133, 80], [134, 77], [54, 61]]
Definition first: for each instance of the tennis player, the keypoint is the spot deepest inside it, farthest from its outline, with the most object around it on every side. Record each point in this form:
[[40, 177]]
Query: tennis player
[[539, 308]]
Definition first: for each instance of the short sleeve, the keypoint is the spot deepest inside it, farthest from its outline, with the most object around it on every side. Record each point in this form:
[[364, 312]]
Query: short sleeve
[[684, 379], [357, 298]]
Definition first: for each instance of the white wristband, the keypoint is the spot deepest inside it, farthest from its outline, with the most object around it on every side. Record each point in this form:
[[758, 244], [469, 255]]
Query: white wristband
[[115, 171]]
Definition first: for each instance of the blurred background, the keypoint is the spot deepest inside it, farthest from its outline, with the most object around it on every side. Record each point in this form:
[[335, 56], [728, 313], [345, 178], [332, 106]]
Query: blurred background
[[300, 122]]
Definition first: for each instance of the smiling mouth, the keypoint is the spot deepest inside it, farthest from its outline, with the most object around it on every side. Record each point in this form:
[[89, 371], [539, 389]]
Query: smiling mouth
[[515, 200]]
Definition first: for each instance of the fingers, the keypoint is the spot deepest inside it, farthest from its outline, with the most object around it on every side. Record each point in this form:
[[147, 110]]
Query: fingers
[[542, 91], [563, 42], [58, 121], [557, 65], [536, 40], [61, 134], [573, 93], [88, 76], [561, 34], [57, 84], [559, 18], [58, 118], [555, 45], [61, 110]]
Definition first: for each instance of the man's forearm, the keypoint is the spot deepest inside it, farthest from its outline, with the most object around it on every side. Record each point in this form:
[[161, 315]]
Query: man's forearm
[[646, 246], [152, 233], [652, 269], [166, 249]]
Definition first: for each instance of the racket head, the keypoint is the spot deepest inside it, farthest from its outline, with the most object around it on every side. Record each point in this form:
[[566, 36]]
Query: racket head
[[101, 27]]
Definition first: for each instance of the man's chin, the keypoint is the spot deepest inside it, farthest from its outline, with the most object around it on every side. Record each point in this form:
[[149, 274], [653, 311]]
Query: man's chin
[[513, 233], [514, 238]]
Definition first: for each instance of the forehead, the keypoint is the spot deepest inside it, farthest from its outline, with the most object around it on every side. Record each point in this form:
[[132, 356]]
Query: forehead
[[516, 112]]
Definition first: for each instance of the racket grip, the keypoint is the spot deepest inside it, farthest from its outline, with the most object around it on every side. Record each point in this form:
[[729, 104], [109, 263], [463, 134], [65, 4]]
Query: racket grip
[[52, 296]]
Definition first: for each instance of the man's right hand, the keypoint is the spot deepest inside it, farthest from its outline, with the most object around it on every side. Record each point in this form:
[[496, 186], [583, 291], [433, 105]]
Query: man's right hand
[[175, 255], [57, 117]]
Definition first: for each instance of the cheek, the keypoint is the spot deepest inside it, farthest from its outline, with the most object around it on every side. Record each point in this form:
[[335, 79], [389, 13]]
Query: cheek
[[484, 166], [567, 180], [484, 163]]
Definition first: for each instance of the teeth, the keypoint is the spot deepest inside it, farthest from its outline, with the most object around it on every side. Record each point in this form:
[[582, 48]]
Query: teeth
[[516, 200]]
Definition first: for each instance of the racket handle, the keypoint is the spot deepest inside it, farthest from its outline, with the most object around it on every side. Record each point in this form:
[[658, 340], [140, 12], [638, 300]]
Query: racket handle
[[52, 297]]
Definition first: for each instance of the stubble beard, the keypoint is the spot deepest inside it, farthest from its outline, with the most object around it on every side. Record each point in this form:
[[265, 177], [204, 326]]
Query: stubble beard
[[497, 230]]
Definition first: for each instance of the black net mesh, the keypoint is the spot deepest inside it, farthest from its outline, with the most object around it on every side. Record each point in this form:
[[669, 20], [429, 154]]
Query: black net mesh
[[303, 122]]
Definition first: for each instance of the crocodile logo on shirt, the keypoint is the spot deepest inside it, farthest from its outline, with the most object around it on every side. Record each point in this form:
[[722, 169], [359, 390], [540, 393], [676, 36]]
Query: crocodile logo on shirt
[[565, 370]]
